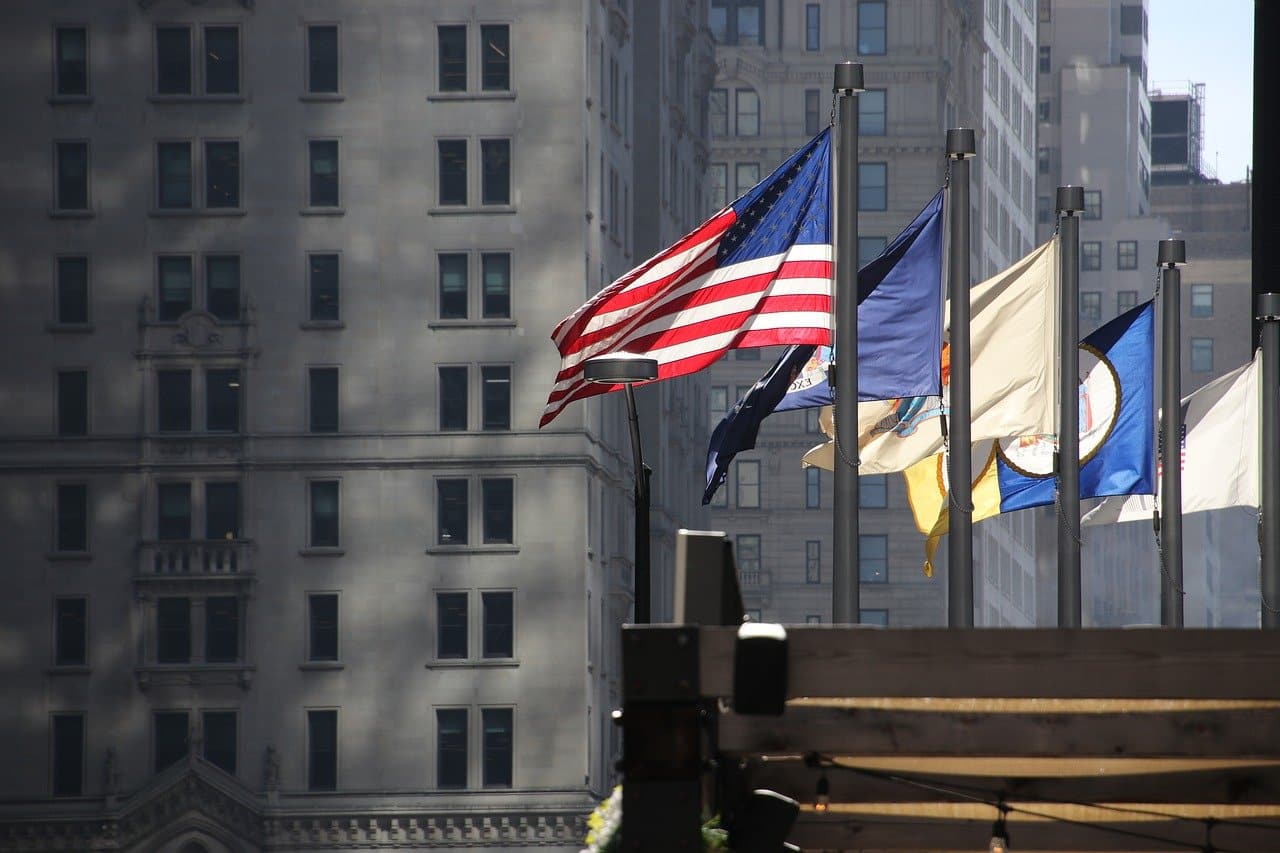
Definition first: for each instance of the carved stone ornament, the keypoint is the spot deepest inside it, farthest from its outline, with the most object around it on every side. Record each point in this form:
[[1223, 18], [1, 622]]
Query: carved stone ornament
[[197, 330]]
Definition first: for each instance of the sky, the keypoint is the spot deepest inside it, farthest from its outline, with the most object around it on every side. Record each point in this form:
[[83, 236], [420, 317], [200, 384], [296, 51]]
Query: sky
[[1194, 41]]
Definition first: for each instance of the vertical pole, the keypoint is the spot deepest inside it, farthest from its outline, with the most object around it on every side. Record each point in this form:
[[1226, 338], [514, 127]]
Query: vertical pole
[[1268, 315], [844, 517], [642, 582], [1070, 204], [1171, 254], [960, 147]]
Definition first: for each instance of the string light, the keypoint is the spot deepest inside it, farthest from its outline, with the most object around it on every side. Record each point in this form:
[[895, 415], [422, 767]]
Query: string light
[[999, 834], [822, 802]]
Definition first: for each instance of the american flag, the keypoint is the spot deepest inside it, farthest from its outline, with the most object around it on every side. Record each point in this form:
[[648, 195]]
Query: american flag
[[1182, 449], [757, 274]]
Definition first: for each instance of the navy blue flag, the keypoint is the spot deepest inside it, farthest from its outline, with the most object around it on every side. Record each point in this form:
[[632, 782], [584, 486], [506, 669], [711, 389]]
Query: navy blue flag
[[899, 344]]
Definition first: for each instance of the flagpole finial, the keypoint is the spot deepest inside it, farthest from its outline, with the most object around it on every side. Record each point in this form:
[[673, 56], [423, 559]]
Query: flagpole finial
[[1266, 307], [1070, 200], [848, 78], [1172, 253], [961, 143]]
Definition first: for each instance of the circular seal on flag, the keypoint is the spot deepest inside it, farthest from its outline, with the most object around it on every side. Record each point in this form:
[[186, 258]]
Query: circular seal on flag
[[1099, 402]]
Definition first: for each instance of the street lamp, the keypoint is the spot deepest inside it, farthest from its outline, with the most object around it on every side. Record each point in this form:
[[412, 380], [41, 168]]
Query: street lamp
[[625, 368]]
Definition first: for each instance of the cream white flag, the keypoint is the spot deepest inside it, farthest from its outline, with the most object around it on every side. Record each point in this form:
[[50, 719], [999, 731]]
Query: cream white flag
[[1220, 453], [1013, 333]]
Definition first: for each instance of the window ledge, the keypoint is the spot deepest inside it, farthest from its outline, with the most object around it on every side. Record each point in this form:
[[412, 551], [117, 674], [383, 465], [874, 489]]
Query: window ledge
[[322, 551], [58, 100], [473, 549], [472, 324], [468, 663], [321, 97], [193, 674], [191, 212], [464, 210], [321, 324], [322, 211], [196, 99], [69, 556], [68, 669], [507, 95], [68, 328], [59, 213], [321, 665]]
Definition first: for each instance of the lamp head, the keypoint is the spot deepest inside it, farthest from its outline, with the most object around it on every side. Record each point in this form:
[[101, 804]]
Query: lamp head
[[620, 368]]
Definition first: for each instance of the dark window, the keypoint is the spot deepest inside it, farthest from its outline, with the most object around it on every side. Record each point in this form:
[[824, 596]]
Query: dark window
[[453, 171], [498, 496], [869, 248], [324, 399], [1090, 307], [499, 624], [72, 190], [72, 532], [453, 398], [173, 513], [1044, 160], [1043, 62], [873, 491], [173, 399], [322, 59], [68, 755], [451, 627], [73, 290], [871, 113], [873, 558], [323, 627], [451, 747], [748, 552], [324, 287], [173, 630], [813, 561], [812, 488], [173, 60], [324, 513], [221, 60], [746, 112], [1093, 204], [71, 638], [222, 511], [812, 111], [495, 171], [497, 747], [873, 186], [222, 174], [495, 270], [495, 57], [220, 739], [737, 21], [812, 26], [718, 112], [324, 172], [171, 733], [222, 400], [872, 38], [1202, 300], [1130, 20], [222, 286], [1090, 255], [1201, 355], [1044, 110], [874, 617], [747, 479], [1126, 299], [175, 287], [73, 402], [452, 41], [322, 750], [1127, 254], [71, 74], [495, 397], [453, 286], [1044, 212], [451, 512], [222, 629]]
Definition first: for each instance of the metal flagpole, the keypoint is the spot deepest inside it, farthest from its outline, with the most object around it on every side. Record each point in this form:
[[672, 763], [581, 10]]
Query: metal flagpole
[[1070, 203], [844, 518], [960, 147], [1268, 315], [1172, 253]]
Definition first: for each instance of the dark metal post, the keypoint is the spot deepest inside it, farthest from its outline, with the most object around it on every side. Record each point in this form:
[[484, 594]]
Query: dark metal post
[[1172, 253], [960, 147], [642, 581], [844, 517], [1070, 204], [1268, 315]]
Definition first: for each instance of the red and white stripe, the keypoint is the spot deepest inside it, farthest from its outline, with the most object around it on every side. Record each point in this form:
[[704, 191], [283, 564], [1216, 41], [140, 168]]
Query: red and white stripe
[[682, 310]]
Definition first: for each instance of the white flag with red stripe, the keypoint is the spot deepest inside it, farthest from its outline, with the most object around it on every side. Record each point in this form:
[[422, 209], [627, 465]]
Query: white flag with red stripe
[[758, 273]]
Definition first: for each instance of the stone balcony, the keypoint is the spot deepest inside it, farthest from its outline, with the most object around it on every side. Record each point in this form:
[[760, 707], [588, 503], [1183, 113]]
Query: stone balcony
[[196, 562]]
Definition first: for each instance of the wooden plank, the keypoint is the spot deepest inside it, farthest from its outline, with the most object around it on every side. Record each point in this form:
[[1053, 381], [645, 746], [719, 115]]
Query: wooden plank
[[1252, 733], [1152, 663]]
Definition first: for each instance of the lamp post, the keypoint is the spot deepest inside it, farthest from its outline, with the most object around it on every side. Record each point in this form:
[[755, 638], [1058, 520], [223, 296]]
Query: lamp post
[[626, 369]]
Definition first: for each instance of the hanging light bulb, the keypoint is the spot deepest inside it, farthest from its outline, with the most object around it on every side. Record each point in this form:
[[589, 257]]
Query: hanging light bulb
[[999, 835], [822, 802]]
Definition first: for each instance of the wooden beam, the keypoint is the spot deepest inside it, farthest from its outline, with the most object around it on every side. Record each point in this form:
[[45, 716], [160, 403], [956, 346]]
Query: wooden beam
[[1032, 663], [1253, 733]]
